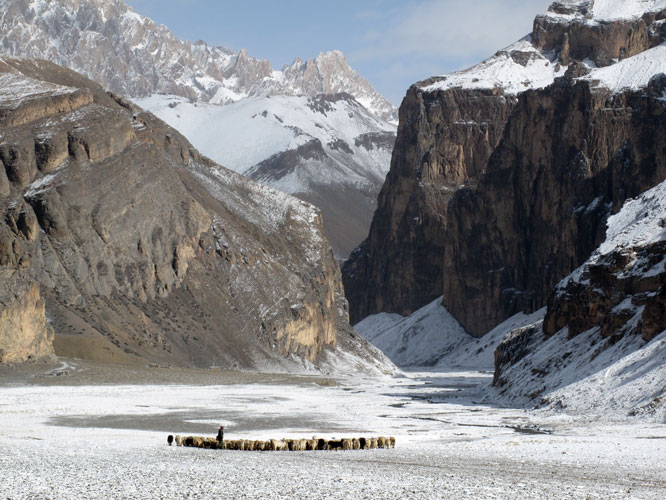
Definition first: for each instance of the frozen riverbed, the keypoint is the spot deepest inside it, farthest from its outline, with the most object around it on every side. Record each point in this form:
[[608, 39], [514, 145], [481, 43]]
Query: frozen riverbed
[[109, 441]]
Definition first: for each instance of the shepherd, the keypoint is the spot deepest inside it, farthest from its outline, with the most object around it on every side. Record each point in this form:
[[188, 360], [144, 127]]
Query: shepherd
[[220, 435]]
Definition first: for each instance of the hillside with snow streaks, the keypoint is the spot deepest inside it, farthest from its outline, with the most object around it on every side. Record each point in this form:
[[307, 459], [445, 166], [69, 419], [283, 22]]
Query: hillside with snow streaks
[[250, 131], [131, 55], [328, 150]]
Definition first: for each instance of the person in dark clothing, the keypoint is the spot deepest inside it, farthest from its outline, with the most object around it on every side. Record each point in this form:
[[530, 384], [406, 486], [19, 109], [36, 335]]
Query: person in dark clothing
[[220, 435]]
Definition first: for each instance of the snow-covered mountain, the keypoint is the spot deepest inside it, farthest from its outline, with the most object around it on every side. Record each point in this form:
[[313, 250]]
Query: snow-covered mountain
[[591, 32], [328, 150], [131, 55]]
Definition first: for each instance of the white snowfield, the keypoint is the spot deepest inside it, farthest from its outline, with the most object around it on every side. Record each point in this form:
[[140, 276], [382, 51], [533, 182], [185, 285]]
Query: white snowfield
[[243, 134], [522, 66], [633, 73], [103, 442], [503, 71]]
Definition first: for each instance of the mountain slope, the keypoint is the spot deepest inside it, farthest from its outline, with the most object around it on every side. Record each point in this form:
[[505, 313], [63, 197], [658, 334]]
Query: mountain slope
[[132, 56], [327, 150], [145, 250], [602, 345]]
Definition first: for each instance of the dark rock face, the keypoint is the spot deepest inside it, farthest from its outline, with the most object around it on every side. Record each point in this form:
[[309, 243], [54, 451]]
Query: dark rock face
[[144, 249], [569, 157], [444, 141], [602, 42], [515, 347]]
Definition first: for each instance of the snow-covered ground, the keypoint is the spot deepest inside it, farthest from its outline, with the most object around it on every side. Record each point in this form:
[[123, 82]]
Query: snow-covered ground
[[62, 442]]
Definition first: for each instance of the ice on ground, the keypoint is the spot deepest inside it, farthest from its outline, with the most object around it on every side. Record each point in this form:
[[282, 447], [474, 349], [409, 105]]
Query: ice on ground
[[101, 442]]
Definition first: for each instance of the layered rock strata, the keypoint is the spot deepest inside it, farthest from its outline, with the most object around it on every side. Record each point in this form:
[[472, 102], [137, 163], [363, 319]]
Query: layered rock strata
[[143, 247]]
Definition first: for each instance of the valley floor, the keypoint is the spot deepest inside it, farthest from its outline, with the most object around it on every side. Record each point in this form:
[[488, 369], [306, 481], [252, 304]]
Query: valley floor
[[63, 439]]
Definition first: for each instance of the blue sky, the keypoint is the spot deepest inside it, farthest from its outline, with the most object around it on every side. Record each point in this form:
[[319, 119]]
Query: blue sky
[[392, 43]]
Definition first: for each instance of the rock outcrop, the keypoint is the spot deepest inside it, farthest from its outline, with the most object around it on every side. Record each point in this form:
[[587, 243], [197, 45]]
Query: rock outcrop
[[621, 288], [504, 175], [25, 334], [141, 245]]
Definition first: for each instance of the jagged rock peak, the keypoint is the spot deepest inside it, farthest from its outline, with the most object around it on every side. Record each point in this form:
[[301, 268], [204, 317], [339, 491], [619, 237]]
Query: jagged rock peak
[[131, 55]]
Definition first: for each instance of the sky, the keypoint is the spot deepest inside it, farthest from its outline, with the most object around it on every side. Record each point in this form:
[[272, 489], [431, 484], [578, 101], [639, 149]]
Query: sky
[[392, 43]]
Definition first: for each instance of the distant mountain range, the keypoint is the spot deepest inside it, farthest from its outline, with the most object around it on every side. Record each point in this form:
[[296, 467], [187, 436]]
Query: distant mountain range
[[132, 56]]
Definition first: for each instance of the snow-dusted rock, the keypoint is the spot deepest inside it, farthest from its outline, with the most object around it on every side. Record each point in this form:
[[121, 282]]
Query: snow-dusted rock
[[621, 288], [143, 249]]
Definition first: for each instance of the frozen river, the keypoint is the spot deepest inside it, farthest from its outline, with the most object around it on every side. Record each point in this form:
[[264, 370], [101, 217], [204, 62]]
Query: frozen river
[[109, 442]]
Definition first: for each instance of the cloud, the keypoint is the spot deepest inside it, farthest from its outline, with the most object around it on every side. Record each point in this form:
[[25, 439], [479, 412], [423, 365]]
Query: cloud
[[460, 29]]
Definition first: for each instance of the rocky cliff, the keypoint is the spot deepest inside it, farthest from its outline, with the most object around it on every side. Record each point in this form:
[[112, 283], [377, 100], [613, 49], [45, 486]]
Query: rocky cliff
[[144, 249], [494, 205], [621, 288]]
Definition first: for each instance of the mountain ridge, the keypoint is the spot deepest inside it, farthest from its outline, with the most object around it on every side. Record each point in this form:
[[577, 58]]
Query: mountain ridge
[[149, 59]]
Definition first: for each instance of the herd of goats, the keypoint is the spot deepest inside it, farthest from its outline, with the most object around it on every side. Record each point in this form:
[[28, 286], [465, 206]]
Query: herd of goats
[[284, 444]]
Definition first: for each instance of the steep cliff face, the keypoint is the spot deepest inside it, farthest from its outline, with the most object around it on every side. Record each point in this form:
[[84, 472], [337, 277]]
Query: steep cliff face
[[519, 196], [143, 247], [444, 141], [569, 157]]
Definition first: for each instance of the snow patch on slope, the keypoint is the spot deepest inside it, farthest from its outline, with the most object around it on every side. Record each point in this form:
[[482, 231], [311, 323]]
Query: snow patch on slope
[[584, 375], [243, 134], [633, 73], [517, 68], [420, 339], [432, 337]]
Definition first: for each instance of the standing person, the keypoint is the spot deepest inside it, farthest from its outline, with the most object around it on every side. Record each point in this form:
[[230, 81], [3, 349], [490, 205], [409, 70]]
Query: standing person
[[220, 435]]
